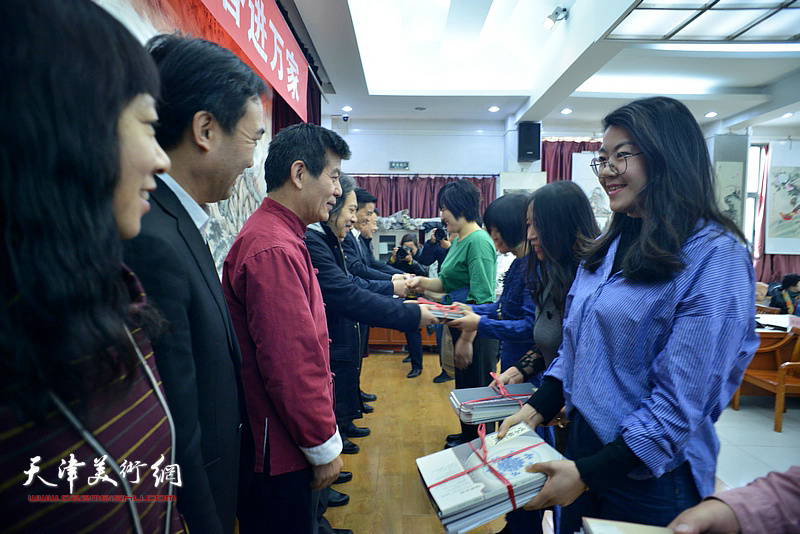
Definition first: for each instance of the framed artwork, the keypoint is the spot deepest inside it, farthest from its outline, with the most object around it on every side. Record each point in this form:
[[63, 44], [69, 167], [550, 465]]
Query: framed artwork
[[730, 184], [783, 211], [782, 223]]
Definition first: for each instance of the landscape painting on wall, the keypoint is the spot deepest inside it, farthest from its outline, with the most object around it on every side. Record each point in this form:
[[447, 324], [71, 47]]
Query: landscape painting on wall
[[783, 211]]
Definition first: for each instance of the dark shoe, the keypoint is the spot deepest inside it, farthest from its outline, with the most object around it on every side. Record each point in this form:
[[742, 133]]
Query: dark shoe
[[444, 377], [414, 373], [407, 359], [451, 444], [453, 437], [367, 408], [342, 531], [344, 476], [352, 431], [337, 498], [368, 397], [348, 447]]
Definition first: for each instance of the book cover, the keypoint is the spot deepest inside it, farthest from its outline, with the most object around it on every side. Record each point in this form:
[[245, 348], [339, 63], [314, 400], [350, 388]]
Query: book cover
[[485, 404], [606, 526], [461, 478]]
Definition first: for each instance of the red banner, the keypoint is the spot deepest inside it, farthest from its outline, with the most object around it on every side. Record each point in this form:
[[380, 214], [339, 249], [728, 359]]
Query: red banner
[[257, 26]]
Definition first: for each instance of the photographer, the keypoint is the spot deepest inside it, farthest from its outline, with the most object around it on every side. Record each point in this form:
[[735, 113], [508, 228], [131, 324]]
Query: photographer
[[405, 257], [435, 248]]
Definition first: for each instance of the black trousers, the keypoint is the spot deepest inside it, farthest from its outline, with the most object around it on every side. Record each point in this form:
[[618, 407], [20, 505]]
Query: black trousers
[[414, 343], [484, 361], [281, 504]]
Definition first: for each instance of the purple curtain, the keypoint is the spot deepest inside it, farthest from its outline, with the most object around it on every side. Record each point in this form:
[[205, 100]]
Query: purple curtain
[[769, 267], [557, 157], [313, 102], [282, 114], [418, 193]]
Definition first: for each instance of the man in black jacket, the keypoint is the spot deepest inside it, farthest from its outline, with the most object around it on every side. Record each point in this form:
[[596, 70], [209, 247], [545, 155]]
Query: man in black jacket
[[346, 303], [362, 263], [210, 135]]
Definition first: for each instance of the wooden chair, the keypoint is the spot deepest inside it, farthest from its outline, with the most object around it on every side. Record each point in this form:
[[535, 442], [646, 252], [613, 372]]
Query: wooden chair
[[767, 309], [782, 379]]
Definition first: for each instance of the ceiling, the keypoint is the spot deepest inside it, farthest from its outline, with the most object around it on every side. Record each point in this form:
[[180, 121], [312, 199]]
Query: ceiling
[[456, 58]]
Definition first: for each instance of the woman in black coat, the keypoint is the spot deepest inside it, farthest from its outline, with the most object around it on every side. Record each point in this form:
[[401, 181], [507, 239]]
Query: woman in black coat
[[347, 304]]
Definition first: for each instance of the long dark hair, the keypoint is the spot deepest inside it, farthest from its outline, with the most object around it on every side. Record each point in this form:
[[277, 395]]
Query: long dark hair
[[69, 69], [564, 222], [679, 190]]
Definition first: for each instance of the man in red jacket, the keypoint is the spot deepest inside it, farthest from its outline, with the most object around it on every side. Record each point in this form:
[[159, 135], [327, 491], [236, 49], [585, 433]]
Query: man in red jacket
[[279, 317]]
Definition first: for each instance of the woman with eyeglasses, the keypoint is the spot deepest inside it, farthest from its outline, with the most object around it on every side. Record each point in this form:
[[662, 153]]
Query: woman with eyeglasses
[[659, 328]]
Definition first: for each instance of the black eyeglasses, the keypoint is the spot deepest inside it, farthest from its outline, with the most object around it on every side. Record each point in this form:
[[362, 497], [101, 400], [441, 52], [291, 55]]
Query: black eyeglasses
[[599, 165]]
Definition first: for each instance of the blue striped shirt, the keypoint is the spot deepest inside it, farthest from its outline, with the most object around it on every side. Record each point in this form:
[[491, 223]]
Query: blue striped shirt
[[657, 363]]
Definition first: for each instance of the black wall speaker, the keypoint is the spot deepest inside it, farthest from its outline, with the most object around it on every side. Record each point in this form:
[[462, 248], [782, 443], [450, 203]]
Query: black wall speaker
[[529, 144]]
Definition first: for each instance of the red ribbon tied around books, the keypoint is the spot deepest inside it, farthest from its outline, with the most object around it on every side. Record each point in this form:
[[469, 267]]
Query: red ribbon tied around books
[[502, 393], [444, 308], [483, 456], [499, 387]]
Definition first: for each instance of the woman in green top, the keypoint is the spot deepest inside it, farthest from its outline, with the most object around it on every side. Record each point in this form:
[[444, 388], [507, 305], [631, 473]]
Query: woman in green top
[[466, 275]]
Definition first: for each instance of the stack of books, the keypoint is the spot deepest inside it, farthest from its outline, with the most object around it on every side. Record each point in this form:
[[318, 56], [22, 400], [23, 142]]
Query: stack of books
[[486, 404], [473, 483], [605, 526]]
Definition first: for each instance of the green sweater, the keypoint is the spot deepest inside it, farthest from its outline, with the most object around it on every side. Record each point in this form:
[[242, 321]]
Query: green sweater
[[471, 262]]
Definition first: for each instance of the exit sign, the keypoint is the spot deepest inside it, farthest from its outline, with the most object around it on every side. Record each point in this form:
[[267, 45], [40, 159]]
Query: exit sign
[[398, 165]]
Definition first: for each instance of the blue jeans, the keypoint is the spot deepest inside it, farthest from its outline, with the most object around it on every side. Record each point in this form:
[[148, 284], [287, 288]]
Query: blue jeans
[[652, 501]]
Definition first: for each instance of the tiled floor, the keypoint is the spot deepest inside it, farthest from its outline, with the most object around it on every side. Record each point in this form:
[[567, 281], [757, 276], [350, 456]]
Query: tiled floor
[[750, 448]]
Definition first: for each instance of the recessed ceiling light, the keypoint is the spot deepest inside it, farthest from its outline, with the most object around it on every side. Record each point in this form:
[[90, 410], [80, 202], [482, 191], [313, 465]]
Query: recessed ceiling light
[[494, 109], [419, 108], [787, 115], [347, 109], [566, 111], [711, 114]]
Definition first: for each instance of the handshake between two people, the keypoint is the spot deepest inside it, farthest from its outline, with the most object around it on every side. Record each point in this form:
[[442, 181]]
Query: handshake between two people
[[468, 323]]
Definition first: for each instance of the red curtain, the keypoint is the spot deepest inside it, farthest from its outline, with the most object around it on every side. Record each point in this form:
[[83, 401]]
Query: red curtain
[[769, 267], [557, 157], [418, 193]]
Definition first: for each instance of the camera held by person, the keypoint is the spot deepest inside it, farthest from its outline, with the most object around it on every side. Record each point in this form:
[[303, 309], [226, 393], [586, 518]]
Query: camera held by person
[[405, 256], [403, 253]]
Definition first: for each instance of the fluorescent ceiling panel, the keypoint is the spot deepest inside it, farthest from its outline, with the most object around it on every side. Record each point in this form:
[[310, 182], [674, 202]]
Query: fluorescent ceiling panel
[[435, 47], [715, 25], [683, 4], [647, 84], [782, 25], [732, 47], [746, 3], [650, 23]]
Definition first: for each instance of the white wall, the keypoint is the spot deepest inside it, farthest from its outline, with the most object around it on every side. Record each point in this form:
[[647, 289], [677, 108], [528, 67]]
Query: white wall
[[430, 147], [520, 180]]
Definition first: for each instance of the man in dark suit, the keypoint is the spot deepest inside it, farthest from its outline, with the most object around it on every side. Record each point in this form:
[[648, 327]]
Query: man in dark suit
[[210, 135], [362, 263]]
